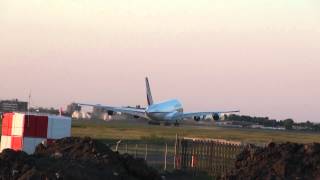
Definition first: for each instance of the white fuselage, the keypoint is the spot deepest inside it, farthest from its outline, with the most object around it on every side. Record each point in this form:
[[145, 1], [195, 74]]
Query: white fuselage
[[170, 110]]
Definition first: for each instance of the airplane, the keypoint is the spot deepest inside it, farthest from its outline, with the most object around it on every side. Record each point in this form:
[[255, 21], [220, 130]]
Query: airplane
[[170, 111]]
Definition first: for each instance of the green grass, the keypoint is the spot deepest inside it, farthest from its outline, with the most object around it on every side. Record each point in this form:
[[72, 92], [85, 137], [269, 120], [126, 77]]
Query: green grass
[[114, 131], [135, 132]]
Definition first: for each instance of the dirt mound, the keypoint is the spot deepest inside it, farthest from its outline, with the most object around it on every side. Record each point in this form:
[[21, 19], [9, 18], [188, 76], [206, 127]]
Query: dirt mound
[[278, 161], [73, 158]]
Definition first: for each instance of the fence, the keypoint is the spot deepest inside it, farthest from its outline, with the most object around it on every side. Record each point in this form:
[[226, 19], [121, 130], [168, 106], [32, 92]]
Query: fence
[[214, 156], [160, 156]]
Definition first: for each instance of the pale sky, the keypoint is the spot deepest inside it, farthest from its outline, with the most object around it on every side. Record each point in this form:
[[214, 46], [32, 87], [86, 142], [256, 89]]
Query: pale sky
[[259, 56]]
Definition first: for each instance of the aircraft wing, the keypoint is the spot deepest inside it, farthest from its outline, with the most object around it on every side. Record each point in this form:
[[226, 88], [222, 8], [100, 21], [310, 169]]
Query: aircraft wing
[[199, 114], [130, 111]]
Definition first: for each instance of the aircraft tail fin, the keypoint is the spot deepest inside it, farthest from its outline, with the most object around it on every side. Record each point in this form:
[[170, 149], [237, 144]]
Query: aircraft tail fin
[[149, 95]]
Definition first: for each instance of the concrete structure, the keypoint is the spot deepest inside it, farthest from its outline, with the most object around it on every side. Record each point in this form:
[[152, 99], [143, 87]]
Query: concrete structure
[[21, 131]]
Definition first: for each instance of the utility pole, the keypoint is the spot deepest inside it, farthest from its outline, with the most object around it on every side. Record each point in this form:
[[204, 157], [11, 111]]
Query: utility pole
[[28, 109], [165, 157], [146, 153], [175, 152]]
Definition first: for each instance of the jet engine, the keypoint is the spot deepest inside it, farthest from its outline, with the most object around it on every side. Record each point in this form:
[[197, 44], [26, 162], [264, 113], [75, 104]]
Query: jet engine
[[197, 118], [216, 116], [136, 117], [110, 113]]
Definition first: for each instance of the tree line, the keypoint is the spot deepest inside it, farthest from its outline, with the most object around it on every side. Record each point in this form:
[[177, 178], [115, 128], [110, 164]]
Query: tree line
[[288, 124]]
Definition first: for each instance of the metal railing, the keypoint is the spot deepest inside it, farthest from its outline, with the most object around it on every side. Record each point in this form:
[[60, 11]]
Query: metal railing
[[213, 156]]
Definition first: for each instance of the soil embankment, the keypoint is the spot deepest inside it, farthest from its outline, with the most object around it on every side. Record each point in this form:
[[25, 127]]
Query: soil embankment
[[278, 161], [73, 158]]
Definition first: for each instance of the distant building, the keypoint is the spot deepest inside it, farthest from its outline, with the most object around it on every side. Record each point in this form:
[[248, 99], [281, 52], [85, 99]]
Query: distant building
[[13, 105], [80, 115], [73, 107], [99, 113]]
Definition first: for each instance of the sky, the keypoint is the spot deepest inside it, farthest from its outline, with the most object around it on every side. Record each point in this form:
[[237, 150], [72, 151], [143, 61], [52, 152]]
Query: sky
[[259, 56]]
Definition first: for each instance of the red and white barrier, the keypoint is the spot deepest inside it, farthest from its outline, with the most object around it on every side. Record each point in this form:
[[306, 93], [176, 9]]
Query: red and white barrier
[[24, 132]]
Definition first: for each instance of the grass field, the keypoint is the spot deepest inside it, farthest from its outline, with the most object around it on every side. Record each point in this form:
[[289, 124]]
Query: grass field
[[112, 131]]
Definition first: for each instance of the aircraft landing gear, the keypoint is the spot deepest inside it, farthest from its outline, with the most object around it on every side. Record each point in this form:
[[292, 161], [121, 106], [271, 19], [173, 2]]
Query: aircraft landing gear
[[176, 123]]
